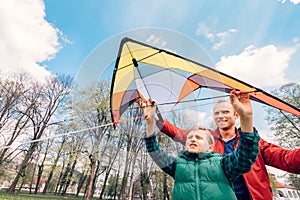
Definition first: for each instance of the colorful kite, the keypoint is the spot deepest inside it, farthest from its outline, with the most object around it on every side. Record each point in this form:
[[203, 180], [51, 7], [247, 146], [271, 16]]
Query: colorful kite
[[144, 71]]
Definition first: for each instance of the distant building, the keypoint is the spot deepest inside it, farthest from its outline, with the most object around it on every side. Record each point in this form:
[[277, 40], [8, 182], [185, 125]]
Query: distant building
[[286, 192]]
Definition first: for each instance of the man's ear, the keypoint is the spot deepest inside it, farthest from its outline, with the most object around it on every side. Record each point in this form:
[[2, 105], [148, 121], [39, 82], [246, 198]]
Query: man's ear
[[236, 115], [211, 148]]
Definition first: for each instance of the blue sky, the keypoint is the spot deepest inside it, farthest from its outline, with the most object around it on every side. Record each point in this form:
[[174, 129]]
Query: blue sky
[[225, 30], [255, 41]]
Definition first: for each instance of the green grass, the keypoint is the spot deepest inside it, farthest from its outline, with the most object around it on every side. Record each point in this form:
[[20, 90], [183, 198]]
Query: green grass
[[26, 196]]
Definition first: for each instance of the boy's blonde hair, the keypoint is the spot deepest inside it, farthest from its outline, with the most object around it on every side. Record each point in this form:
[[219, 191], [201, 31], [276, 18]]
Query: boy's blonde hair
[[209, 136]]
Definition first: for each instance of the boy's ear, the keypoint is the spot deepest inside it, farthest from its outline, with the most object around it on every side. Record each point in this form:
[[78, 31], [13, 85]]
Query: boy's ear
[[211, 148]]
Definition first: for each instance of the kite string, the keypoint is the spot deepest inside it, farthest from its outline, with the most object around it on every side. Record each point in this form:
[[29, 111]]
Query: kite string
[[74, 132], [293, 124], [78, 131], [108, 124], [193, 100]]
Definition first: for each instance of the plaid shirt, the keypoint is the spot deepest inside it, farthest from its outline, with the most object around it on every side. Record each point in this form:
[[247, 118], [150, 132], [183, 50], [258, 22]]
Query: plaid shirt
[[234, 164]]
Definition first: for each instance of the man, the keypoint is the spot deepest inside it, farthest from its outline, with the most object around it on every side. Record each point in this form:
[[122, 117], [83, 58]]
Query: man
[[254, 184], [200, 173]]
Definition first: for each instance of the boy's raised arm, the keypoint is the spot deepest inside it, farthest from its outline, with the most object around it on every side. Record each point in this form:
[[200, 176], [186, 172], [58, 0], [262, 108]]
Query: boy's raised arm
[[149, 110], [242, 105]]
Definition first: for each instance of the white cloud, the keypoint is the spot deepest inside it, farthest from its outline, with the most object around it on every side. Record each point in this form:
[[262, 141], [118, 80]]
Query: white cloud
[[295, 40], [204, 31], [195, 117], [26, 38], [218, 38], [157, 41], [263, 66], [295, 2]]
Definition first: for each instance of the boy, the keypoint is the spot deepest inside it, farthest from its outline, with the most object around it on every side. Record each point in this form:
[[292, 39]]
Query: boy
[[200, 173]]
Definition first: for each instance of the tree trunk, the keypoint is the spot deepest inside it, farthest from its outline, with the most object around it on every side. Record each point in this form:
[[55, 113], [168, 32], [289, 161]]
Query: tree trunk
[[130, 192], [125, 177], [59, 180], [166, 194], [69, 177], [80, 184], [97, 173], [22, 183], [23, 167], [105, 182], [64, 176], [144, 177], [41, 168], [117, 182], [39, 176], [51, 174], [88, 195], [54, 167], [32, 178]]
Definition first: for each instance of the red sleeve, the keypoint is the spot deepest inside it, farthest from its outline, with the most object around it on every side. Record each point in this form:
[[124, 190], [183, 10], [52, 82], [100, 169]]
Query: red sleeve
[[177, 134], [276, 156]]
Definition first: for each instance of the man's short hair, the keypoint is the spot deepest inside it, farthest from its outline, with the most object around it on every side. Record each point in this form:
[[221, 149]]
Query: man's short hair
[[223, 101]]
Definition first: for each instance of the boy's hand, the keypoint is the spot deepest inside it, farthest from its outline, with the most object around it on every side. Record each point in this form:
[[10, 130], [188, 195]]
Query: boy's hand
[[242, 105], [149, 109]]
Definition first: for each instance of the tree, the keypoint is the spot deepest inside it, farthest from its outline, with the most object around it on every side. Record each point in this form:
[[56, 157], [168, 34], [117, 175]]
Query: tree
[[295, 180], [112, 186], [286, 126], [41, 166], [44, 100], [74, 147], [132, 131], [90, 108], [82, 179], [272, 182], [13, 112], [112, 150], [53, 167], [161, 184], [89, 193]]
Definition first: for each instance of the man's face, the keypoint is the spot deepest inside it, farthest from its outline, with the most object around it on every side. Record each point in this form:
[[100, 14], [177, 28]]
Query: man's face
[[197, 142], [224, 115]]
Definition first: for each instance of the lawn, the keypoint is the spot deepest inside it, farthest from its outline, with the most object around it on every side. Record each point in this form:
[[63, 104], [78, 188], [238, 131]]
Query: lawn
[[25, 196]]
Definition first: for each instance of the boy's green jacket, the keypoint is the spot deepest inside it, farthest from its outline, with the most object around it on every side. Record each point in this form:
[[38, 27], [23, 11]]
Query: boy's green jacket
[[206, 175]]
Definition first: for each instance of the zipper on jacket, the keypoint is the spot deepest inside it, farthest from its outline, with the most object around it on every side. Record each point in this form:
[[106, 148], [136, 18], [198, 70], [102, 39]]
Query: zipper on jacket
[[197, 179]]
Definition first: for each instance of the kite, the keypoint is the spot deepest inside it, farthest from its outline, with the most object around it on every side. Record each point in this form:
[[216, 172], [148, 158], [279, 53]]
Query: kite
[[146, 72]]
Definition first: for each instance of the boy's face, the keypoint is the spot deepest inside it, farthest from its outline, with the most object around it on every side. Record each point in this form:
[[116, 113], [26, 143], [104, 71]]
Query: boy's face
[[197, 142]]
